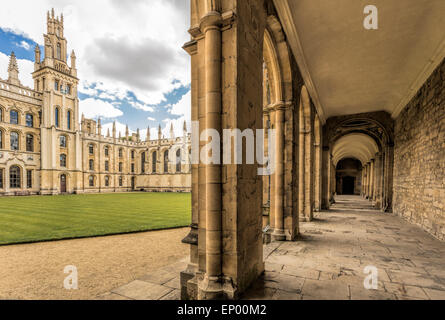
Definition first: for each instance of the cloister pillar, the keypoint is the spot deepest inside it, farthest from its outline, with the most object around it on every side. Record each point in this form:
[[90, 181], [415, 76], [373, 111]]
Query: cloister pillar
[[368, 180], [378, 181], [317, 164], [230, 48], [372, 180], [326, 179], [279, 234]]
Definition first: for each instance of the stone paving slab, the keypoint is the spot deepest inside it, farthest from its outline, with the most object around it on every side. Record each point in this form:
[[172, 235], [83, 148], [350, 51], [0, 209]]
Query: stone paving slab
[[328, 262]]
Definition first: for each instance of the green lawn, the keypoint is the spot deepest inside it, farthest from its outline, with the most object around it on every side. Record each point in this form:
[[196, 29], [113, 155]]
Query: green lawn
[[32, 219]]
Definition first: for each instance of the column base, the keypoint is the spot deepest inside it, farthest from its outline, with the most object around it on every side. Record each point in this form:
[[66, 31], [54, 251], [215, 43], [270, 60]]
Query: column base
[[278, 235], [215, 288], [189, 283]]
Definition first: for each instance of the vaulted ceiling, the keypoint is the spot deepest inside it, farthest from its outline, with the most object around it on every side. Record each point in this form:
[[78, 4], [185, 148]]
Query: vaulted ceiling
[[349, 69]]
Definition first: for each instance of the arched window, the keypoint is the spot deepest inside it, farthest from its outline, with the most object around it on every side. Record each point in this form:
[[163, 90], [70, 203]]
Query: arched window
[[178, 161], [121, 166], [91, 165], [121, 181], [29, 120], [29, 143], [1, 139], [13, 117], [1, 114], [1, 178], [14, 177], [107, 181], [132, 154], [57, 117], [68, 120], [59, 50], [107, 151], [107, 166], [121, 153], [166, 161], [63, 160], [143, 162], [91, 181], [91, 149], [154, 161], [62, 141], [14, 141]]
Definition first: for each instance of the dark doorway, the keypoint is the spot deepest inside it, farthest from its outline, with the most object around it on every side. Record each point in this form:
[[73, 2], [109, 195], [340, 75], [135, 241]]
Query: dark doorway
[[63, 183], [133, 184], [348, 185]]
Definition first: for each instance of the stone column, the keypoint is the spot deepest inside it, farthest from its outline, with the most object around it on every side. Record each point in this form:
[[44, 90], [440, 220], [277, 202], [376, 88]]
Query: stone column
[[378, 181], [372, 180], [278, 233], [192, 238], [210, 285], [317, 165], [325, 179], [368, 167], [230, 207]]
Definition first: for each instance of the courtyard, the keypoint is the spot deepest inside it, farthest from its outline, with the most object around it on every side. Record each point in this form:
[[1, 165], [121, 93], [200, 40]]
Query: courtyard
[[34, 219]]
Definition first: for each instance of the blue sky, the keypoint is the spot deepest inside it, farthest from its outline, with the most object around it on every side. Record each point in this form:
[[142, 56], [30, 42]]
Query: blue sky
[[126, 76]]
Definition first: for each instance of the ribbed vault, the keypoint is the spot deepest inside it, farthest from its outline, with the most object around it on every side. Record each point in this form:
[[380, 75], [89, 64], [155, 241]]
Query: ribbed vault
[[355, 145]]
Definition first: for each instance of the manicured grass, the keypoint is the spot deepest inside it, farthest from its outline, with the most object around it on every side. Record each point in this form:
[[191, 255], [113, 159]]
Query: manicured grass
[[40, 218]]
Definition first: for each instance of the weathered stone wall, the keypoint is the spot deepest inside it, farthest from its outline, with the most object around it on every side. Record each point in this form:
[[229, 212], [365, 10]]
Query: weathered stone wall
[[419, 157]]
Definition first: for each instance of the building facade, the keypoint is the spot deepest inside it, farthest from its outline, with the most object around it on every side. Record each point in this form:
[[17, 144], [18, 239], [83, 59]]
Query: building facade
[[45, 150]]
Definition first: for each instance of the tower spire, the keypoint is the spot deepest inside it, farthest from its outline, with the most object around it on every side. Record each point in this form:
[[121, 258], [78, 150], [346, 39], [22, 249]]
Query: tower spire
[[159, 133], [172, 132], [114, 129], [13, 70], [148, 133]]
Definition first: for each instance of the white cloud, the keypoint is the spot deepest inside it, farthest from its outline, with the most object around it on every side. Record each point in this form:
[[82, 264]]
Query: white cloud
[[151, 119], [26, 67], [126, 47], [93, 108], [23, 44]]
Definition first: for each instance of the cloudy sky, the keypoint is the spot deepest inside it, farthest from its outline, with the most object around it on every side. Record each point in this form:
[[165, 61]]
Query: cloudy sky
[[129, 57]]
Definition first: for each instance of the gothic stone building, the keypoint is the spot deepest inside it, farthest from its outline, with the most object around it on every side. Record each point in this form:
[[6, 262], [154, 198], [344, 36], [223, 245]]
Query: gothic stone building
[[44, 150]]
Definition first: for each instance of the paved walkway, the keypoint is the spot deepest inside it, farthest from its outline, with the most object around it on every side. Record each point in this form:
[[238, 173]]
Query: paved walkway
[[329, 261]]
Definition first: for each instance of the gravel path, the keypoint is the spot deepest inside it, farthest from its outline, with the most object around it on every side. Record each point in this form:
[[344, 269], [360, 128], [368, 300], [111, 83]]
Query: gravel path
[[35, 271]]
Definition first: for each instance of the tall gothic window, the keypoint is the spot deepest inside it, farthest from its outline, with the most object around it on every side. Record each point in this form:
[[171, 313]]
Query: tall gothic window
[[143, 162], [132, 168], [166, 161], [14, 177], [56, 85], [121, 166], [63, 160], [1, 178], [121, 181], [1, 114], [107, 181], [57, 117], [68, 120], [107, 151], [121, 153], [91, 181], [29, 120], [1, 139], [14, 141], [29, 143], [107, 166], [178, 161], [91, 149], [154, 162], [62, 141], [29, 179], [132, 154], [59, 51], [91, 165], [13, 117]]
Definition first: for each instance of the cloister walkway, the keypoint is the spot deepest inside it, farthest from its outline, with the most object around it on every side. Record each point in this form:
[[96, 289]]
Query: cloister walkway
[[328, 261]]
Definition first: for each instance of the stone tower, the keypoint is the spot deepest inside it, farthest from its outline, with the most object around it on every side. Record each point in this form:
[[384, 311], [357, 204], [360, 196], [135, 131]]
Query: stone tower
[[57, 82]]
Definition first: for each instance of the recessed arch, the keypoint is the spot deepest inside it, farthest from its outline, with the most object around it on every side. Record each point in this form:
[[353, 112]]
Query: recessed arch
[[355, 145]]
